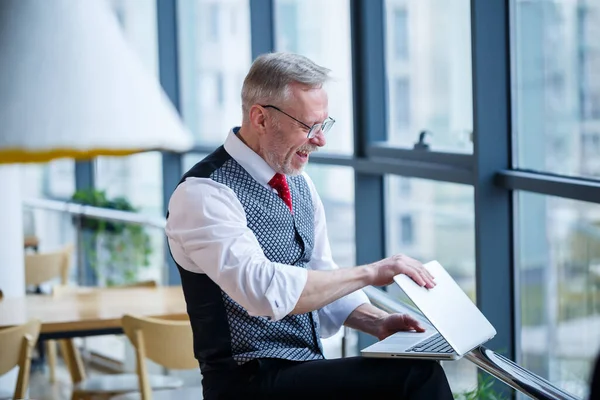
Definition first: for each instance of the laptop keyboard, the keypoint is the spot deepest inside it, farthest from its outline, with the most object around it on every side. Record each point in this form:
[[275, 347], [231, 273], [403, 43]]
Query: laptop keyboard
[[434, 344]]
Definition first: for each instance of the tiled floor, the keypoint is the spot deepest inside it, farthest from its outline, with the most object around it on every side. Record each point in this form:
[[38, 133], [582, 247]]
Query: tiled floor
[[40, 387]]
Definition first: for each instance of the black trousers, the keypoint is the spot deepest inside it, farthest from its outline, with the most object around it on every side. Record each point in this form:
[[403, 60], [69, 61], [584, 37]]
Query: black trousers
[[345, 378]]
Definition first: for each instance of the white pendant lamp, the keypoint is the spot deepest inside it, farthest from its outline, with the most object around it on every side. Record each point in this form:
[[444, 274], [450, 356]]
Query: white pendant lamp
[[70, 86]]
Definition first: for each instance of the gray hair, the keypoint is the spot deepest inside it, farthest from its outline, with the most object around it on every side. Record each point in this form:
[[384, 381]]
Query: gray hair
[[271, 74]]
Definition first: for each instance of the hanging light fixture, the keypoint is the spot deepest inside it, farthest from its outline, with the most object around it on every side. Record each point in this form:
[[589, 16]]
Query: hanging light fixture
[[70, 86]]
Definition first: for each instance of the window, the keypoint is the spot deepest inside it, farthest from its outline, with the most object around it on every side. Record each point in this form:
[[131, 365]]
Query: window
[[436, 222], [406, 230], [212, 19], [188, 160], [335, 186], [287, 24], [211, 60], [220, 89], [326, 42], [400, 34], [403, 185], [556, 81], [558, 266], [402, 107], [54, 180], [428, 67]]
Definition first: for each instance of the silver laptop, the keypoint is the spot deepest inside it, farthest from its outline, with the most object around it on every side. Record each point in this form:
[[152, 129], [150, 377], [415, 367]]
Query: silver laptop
[[454, 325]]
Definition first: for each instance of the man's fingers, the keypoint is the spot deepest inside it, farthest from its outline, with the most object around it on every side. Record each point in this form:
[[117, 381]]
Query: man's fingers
[[429, 283], [427, 277], [413, 323], [428, 274], [417, 277], [421, 278]]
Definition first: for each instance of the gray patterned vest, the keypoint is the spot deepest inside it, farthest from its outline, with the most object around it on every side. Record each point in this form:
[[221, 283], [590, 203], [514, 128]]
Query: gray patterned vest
[[225, 334]]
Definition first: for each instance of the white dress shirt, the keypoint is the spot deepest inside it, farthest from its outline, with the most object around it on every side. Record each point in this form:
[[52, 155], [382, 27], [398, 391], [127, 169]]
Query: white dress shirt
[[208, 233]]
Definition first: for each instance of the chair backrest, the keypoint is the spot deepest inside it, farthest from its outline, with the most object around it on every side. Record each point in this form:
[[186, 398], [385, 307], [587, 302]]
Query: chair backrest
[[16, 344], [166, 342], [43, 267]]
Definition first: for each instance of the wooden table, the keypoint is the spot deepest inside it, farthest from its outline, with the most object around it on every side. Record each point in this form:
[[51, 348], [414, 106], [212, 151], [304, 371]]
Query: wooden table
[[91, 311]]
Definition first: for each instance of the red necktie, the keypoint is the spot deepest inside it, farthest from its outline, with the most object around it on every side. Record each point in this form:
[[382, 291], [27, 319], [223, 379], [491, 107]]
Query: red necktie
[[279, 183]]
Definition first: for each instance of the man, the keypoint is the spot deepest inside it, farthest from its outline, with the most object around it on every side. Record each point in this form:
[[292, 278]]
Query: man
[[247, 230]]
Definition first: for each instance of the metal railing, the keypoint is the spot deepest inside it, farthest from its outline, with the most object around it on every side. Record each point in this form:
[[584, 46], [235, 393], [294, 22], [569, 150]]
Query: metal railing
[[106, 214], [493, 363], [80, 211]]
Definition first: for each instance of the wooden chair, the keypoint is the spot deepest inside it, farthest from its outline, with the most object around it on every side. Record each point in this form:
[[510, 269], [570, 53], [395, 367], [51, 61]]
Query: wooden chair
[[166, 342], [69, 350], [16, 345], [44, 267]]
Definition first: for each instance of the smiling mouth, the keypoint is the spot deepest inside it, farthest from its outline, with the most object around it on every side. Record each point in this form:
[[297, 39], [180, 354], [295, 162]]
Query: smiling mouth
[[302, 154]]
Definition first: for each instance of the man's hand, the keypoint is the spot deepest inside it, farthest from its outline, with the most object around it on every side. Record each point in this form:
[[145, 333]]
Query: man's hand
[[393, 323], [325, 287], [383, 271]]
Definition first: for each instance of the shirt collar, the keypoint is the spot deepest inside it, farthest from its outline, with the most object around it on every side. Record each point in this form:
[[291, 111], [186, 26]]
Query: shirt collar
[[254, 164]]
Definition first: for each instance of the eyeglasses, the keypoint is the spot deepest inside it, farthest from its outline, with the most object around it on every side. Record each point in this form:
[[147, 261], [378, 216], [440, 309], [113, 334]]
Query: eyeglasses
[[324, 126]]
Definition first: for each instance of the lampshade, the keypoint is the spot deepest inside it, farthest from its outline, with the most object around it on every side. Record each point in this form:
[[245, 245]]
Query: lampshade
[[70, 86]]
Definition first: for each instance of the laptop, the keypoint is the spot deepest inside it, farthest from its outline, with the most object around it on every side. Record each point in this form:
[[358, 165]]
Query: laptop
[[454, 325]]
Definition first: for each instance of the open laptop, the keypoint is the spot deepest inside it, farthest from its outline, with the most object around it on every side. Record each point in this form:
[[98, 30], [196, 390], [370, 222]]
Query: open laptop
[[455, 325]]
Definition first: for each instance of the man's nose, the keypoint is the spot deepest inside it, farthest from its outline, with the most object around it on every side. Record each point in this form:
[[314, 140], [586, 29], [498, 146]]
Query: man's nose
[[318, 139]]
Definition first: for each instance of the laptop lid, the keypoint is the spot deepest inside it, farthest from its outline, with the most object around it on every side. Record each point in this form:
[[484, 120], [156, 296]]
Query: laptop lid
[[448, 309]]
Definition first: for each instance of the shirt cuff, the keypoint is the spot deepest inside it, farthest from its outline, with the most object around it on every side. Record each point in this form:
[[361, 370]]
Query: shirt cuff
[[333, 315], [285, 289]]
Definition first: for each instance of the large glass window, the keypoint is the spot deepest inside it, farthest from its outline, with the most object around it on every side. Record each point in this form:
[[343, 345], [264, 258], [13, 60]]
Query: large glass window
[[428, 221], [54, 180], [428, 61], [325, 40], [214, 57], [556, 86], [335, 186], [190, 159], [558, 265]]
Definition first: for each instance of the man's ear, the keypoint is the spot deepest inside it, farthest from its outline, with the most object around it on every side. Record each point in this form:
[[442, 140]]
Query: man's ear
[[258, 118]]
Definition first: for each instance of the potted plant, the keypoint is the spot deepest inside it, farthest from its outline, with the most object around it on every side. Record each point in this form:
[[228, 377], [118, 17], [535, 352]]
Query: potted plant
[[483, 391], [115, 251]]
